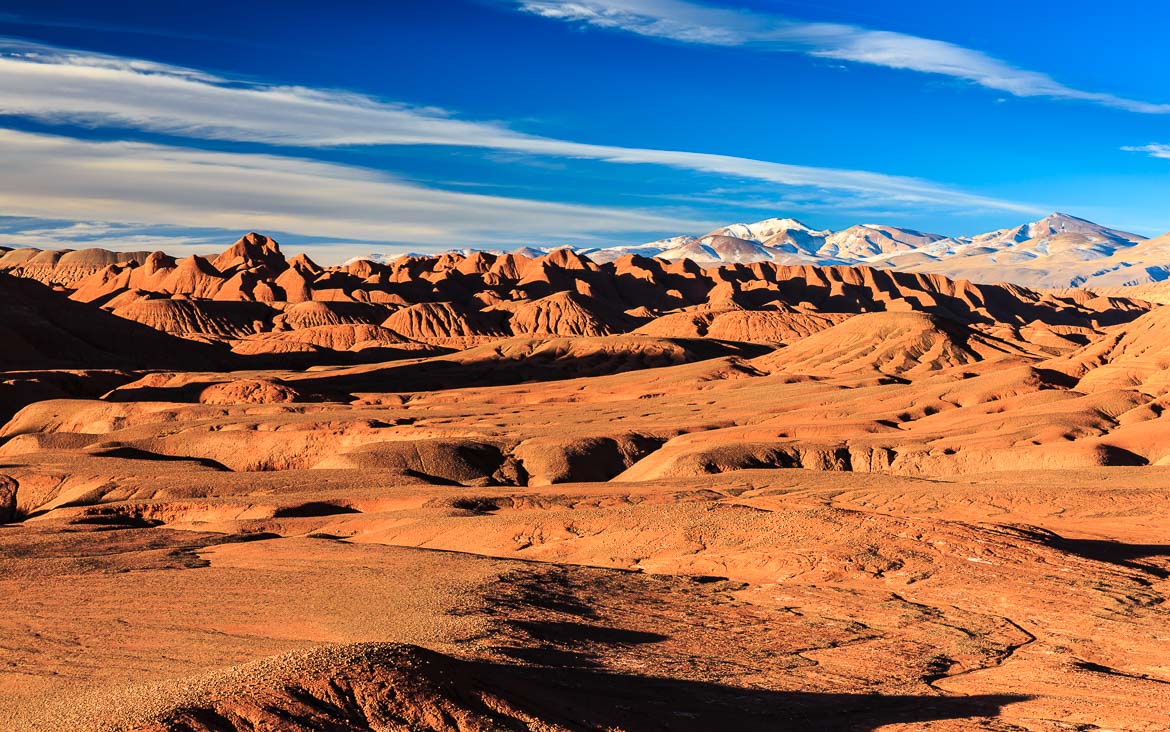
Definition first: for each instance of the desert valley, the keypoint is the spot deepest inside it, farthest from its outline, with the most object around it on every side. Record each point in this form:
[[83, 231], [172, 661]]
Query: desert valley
[[584, 366], [484, 491]]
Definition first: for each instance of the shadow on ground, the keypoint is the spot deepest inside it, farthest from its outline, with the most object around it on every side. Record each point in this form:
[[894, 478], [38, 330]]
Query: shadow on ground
[[586, 699], [1103, 550]]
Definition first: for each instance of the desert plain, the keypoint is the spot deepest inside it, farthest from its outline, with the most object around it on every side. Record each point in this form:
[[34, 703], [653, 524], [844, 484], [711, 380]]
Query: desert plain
[[503, 492]]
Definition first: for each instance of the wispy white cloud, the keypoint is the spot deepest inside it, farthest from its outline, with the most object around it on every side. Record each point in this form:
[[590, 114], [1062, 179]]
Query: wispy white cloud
[[58, 85], [688, 22], [176, 241], [63, 178], [119, 237], [1154, 150], [72, 87]]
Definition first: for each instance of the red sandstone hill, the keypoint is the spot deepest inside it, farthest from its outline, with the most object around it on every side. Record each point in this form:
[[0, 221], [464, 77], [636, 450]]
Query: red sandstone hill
[[254, 298]]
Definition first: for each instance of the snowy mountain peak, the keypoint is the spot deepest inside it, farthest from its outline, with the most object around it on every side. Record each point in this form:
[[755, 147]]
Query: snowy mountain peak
[[1056, 224], [866, 241], [762, 231]]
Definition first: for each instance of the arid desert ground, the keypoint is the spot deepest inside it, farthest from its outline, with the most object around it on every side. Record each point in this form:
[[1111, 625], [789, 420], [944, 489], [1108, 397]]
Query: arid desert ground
[[501, 492]]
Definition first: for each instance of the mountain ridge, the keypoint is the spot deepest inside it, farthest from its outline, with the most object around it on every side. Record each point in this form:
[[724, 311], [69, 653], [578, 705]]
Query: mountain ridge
[[1056, 251]]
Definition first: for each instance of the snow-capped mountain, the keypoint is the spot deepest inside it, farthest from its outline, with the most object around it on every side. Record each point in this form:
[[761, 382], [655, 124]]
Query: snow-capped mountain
[[768, 229], [1058, 250], [864, 241], [780, 240], [375, 257], [673, 248], [387, 258]]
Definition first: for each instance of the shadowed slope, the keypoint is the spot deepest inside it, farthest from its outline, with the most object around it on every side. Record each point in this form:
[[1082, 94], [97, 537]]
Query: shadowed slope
[[43, 329]]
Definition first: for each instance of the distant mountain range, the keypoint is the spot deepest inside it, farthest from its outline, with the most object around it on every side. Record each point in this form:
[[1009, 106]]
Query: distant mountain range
[[1059, 250]]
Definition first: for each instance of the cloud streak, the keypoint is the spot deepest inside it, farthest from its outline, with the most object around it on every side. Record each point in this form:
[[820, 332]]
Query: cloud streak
[[687, 22], [129, 183], [1155, 150], [39, 234], [60, 86]]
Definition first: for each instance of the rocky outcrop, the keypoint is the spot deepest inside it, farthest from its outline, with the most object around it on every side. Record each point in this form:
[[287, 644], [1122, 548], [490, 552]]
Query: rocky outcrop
[[249, 391], [359, 686], [8, 505], [565, 314], [548, 460], [442, 322]]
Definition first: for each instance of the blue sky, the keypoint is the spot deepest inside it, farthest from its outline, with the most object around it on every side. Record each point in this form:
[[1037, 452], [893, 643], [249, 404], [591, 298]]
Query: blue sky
[[416, 125]]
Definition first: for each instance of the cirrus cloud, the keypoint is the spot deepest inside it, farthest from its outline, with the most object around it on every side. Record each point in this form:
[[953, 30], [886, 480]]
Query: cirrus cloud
[[73, 87], [53, 177], [688, 22], [1154, 150]]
